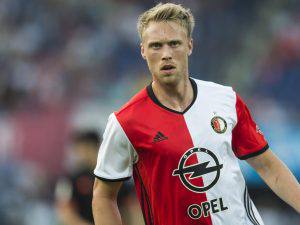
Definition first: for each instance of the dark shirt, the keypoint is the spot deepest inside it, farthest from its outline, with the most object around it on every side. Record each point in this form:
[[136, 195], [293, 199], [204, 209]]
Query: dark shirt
[[82, 192]]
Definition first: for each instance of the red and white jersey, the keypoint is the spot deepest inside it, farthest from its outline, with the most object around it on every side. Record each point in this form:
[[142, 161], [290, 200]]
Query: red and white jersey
[[184, 164]]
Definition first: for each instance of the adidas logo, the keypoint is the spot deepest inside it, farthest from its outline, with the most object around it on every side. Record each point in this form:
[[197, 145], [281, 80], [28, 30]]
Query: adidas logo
[[159, 137]]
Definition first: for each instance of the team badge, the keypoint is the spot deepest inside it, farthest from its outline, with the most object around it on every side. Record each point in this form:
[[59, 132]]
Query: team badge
[[218, 124], [190, 172]]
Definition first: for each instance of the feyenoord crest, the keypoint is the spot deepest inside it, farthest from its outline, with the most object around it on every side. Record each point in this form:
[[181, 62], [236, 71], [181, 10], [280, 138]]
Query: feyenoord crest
[[189, 173], [218, 124]]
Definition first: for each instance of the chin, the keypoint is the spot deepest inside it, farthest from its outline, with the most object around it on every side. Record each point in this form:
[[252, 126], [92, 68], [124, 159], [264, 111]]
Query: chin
[[168, 79]]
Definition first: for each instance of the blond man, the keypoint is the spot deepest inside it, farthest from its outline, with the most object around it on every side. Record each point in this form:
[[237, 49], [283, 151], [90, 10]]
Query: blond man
[[181, 138]]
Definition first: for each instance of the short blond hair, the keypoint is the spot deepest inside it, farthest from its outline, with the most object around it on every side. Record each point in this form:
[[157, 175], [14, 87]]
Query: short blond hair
[[167, 12]]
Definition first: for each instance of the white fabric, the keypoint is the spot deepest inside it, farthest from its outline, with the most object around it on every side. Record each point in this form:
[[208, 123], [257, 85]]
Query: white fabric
[[217, 100]]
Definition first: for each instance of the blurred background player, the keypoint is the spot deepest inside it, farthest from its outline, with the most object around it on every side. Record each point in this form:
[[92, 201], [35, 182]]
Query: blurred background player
[[74, 192]]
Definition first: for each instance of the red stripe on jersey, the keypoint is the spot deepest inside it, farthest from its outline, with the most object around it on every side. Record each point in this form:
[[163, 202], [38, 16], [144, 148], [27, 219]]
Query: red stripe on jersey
[[247, 139], [160, 138]]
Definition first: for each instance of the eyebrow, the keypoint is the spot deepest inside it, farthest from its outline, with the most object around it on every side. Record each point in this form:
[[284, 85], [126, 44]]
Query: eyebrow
[[176, 41], [162, 42]]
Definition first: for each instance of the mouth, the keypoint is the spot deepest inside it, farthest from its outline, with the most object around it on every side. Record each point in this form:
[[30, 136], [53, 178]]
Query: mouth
[[167, 68]]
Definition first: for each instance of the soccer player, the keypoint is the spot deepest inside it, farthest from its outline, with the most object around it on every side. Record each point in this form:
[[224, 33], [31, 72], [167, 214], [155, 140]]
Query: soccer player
[[74, 192], [181, 138]]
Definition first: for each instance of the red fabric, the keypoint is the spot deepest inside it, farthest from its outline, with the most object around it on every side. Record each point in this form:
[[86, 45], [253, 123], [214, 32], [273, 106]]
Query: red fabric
[[247, 139], [163, 197]]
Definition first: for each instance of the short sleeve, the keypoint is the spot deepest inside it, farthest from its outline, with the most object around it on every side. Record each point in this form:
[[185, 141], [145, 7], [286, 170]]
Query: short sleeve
[[116, 153], [247, 138]]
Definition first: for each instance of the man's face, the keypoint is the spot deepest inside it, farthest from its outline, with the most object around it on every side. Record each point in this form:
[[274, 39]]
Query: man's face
[[166, 47], [86, 153]]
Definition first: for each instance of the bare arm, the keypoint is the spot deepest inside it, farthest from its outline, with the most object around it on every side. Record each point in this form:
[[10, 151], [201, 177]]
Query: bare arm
[[278, 177], [105, 208]]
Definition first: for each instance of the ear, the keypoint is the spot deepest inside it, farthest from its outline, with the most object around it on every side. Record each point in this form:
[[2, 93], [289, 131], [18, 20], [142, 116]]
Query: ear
[[143, 51], [190, 46]]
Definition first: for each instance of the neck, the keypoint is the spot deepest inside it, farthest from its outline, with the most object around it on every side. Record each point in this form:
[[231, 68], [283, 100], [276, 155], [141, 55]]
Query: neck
[[174, 96]]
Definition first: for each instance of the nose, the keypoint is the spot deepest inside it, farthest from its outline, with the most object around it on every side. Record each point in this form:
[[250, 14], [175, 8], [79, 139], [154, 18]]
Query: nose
[[166, 53]]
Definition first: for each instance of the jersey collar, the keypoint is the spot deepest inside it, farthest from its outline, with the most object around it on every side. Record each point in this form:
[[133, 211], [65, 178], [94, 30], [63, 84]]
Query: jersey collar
[[156, 101]]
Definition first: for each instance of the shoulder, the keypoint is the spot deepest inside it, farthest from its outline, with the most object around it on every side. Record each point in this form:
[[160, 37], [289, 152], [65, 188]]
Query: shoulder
[[135, 109], [215, 90], [212, 85], [134, 102]]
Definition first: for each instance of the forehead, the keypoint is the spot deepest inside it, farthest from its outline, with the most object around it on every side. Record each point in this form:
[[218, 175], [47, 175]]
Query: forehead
[[163, 31]]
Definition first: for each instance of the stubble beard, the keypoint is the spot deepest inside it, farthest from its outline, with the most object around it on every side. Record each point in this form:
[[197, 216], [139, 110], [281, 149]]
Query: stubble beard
[[168, 79]]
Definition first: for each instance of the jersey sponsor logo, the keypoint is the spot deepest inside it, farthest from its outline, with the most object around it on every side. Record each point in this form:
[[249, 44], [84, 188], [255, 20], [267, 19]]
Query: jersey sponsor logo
[[218, 124], [196, 211], [189, 173]]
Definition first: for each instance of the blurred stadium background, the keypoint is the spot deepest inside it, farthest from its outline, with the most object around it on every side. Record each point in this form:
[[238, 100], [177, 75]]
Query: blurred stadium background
[[65, 65]]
